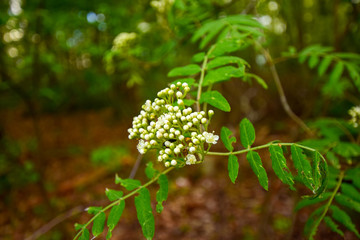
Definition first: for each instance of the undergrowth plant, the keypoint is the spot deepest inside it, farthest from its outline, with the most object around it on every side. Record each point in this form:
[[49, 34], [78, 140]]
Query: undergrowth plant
[[177, 126]]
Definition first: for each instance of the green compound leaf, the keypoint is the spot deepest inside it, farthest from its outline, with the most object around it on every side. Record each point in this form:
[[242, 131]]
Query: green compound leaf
[[85, 235], [347, 150], [218, 25], [347, 202], [223, 74], [353, 174], [257, 167], [78, 226], [336, 72], [351, 191], [226, 46], [311, 224], [150, 171], [115, 215], [215, 99], [258, 79], [162, 193], [279, 165], [313, 61], [334, 161], [233, 167], [226, 139], [185, 70], [316, 172], [129, 184], [144, 213], [343, 218], [307, 201], [199, 57], [302, 166], [93, 210], [113, 195], [333, 226], [224, 60], [247, 133], [324, 65], [98, 225], [189, 102]]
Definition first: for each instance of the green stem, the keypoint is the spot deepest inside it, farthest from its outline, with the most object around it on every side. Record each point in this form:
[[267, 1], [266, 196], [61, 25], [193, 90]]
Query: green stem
[[202, 75], [327, 206], [257, 148], [121, 199]]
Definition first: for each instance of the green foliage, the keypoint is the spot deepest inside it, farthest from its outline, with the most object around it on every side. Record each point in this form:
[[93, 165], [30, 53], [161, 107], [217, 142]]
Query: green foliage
[[113, 195], [279, 165], [184, 71], [162, 193], [233, 167], [144, 213], [227, 139], [98, 225], [215, 99], [247, 133], [337, 64], [256, 165], [114, 217], [129, 184]]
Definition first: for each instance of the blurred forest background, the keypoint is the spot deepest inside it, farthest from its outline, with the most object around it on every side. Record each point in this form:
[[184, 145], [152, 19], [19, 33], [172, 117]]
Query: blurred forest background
[[74, 73]]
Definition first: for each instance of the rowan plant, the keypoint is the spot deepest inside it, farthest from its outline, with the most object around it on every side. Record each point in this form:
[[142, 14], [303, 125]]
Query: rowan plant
[[176, 125]]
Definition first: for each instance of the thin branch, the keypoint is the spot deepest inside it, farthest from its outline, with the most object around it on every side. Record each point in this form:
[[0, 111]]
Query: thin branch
[[280, 89], [202, 75], [136, 166]]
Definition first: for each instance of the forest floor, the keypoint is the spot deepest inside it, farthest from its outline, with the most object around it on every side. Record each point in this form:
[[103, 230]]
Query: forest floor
[[202, 202]]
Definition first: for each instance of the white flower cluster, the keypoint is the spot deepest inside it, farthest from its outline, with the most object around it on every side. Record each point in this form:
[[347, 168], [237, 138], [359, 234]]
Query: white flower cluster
[[122, 40], [354, 112], [161, 5], [174, 130]]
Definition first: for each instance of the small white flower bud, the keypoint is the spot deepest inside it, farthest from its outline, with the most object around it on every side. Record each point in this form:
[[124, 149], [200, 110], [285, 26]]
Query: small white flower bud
[[159, 158], [176, 108], [167, 164], [177, 132], [171, 92], [173, 162], [177, 150], [210, 112], [195, 121], [168, 151], [180, 102], [178, 84], [175, 121], [153, 142], [186, 127], [179, 94], [184, 85], [183, 118], [171, 135], [192, 149], [203, 120], [181, 138]]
